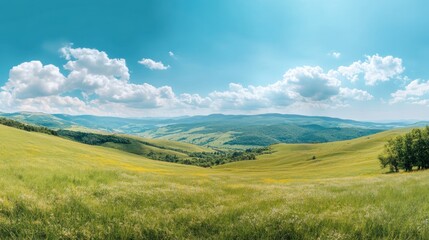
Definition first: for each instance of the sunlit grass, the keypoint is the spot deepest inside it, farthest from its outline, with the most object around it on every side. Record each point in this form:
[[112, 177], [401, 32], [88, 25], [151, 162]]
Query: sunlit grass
[[54, 188]]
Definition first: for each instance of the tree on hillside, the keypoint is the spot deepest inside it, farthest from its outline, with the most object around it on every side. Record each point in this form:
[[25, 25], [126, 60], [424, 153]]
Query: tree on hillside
[[391, 156], [407, 155], [408, 151]]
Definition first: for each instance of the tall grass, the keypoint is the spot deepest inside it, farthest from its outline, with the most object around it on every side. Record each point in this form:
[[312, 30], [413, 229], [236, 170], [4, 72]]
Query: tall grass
[[53, 189], [116, 204]]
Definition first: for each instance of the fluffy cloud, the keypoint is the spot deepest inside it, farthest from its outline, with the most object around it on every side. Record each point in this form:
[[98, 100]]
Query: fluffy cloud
[[101, 80], [136, 95], [412, 93], [195, 100], [6, 101], [239, 97], [153, 65], [311, 83], [94, 73], [375, 68], [95, 62], [32, 79], [56, 104], [355, 94], [48, 104], [97, 84]]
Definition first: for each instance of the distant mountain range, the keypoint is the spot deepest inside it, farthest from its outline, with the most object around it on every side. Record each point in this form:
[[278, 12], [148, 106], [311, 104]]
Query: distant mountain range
[[218, 130]]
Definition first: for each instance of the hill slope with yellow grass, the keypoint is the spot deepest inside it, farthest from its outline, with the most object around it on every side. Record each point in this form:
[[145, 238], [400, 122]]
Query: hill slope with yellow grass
[[323, 160], [54, 188]]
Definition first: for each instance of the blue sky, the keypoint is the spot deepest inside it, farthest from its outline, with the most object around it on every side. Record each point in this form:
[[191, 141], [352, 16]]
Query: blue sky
[[353, 59]]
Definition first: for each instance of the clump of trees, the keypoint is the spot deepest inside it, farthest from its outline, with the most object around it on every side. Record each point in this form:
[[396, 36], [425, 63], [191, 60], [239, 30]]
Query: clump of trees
[[91, 138], [407, 152], [162, 157], [26, 127], [208, 159]]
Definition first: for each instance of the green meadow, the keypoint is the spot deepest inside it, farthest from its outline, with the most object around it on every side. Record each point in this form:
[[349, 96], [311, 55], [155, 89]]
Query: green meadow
[[52, 188]]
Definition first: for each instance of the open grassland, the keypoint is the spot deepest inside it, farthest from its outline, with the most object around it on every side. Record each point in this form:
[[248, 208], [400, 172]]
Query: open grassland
[[331, 160], [54, 188], [181, 146], [163, 146]]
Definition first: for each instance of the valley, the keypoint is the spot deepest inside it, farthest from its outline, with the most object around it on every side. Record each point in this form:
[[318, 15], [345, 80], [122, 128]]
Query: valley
[[213, 120], [56, 188], [218, 131]]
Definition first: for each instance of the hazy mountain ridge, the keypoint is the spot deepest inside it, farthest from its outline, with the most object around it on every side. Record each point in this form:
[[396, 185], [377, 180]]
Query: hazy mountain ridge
[[218, 130]]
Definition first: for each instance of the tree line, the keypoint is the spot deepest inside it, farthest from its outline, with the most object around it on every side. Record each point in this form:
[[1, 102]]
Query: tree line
[[407, 152], [92, 138], [209, 159], [27, 127]]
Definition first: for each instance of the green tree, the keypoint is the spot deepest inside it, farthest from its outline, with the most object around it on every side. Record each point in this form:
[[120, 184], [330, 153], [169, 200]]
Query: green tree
[[390, 158], [407, 151]]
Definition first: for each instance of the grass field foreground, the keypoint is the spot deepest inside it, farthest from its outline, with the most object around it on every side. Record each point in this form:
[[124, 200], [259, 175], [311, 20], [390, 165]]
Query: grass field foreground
[[54, 188]]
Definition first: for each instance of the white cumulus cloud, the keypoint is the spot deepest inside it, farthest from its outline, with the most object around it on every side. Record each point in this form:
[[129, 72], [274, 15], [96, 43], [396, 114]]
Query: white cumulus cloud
[[136, 95], [102, 81], [55, 104], [153, 65], [95, 62], [374, 69], [309, 85], [355, 94], [195, 100], [413, 93], [94, 83], [31, 79], [94, 73], [239, 97]]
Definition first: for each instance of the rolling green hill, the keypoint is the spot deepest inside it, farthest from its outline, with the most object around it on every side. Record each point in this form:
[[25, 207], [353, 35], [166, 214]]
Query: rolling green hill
[[244, 131], [172, 145], [238, 136], [137, 145], [41, 119], [162, 150], [217, 130], [84, 122], [55, 188], [354, 157]]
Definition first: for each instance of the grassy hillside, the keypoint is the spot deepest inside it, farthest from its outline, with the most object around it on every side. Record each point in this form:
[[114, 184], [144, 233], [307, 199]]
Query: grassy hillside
[[172, 145], [87, 122], [41, 119], [136, 145], [54, 188], [335, 159], [36, 148], [154, 149], [217, 130], [162, 150]]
